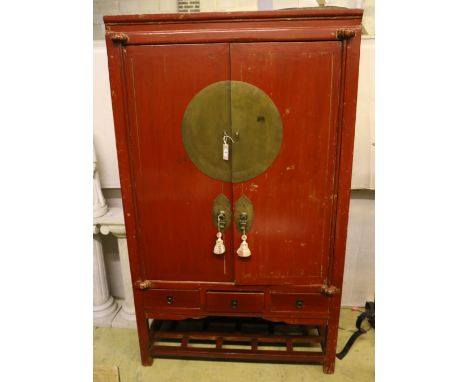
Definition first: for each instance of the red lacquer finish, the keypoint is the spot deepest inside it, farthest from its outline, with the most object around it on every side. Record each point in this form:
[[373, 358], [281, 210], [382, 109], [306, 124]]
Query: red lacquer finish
[[245, 302], [307, 62], [173, 199], [293, 199]]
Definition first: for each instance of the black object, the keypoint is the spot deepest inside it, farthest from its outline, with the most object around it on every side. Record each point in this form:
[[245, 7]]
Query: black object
[[368, 315]]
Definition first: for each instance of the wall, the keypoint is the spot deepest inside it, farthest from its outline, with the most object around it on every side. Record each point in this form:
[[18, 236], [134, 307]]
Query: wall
[[364, 150], [103, 132], [359, 281], [127, 7]]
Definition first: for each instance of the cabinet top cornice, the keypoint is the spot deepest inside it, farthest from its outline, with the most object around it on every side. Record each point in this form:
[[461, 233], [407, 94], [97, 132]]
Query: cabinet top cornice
[[329, 13]]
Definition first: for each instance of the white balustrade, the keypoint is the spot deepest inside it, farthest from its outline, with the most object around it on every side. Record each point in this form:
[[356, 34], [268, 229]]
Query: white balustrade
[[113, 223], [104, 305]]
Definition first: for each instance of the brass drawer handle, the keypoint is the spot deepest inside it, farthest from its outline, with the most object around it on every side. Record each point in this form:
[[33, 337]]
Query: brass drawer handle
[[234, 304], [170, 300], [299, 303]]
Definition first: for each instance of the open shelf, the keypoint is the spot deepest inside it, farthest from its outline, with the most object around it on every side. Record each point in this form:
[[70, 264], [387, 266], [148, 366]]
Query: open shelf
[[237, 338]]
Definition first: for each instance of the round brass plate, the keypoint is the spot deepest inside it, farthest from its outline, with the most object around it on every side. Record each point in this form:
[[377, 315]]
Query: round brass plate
[[245, 113]]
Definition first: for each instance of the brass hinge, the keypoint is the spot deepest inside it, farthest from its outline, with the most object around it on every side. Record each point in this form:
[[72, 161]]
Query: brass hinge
[[329, 290], [345, 34], [119, 38], [143, 284]]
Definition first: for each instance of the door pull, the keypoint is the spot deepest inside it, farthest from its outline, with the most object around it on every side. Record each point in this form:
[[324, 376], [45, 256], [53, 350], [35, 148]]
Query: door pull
[[220, 248], [243, 250]]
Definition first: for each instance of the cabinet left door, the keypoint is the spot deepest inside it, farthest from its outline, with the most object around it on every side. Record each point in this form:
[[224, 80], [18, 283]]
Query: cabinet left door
[[173, 199]]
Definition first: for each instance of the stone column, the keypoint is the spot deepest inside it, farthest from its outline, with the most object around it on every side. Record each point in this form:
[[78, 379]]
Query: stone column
[[126, 317], [104, 306]]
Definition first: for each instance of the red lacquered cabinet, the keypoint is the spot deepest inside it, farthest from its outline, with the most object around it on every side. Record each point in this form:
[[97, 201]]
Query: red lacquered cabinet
[[233, 124]]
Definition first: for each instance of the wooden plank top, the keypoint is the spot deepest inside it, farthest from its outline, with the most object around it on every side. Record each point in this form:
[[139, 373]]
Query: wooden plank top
[[297, 13]]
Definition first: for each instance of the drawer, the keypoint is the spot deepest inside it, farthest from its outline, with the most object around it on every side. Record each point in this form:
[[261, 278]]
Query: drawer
[[234, 302], [297, 302], [171, 299]]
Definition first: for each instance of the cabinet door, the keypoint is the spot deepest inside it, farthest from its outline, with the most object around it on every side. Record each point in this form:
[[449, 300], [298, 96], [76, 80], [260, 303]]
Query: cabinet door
[[292, 200], [173, 199]]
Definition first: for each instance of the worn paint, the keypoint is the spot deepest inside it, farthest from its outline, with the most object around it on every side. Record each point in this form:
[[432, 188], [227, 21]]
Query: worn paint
[[269, 258]]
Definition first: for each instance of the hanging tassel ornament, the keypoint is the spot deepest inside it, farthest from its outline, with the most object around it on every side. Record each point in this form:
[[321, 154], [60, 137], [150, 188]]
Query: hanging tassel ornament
[[244, 250], [219, 248]]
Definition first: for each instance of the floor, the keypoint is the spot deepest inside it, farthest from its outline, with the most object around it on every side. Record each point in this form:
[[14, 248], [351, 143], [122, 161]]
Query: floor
[[118, 348]]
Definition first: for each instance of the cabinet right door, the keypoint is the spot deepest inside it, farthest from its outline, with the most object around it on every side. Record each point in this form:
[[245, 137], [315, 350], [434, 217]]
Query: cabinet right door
[[290, 237]]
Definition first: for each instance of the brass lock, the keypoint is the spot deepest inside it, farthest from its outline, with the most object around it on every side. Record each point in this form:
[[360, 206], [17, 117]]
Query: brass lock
[[243, 214], [243, 220], [221, 218], [221, 212]]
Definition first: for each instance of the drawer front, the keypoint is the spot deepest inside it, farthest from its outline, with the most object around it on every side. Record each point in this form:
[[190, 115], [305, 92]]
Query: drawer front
[[172, 299], [234, 302], [299, 302]]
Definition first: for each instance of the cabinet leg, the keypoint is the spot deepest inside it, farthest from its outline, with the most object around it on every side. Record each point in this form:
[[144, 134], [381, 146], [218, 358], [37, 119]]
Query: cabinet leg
[[145, 340], [329, 367], [146, 360], [330, 344]]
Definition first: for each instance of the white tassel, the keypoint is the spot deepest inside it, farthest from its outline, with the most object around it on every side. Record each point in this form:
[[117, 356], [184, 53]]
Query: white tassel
[[244, 250], [219, 248]]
